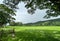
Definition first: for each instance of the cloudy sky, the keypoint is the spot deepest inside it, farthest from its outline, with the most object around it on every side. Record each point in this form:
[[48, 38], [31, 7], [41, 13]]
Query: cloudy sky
[[23, 16]]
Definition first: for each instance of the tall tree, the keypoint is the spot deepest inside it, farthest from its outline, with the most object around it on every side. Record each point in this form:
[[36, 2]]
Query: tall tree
[[6, 14], [53, 6]]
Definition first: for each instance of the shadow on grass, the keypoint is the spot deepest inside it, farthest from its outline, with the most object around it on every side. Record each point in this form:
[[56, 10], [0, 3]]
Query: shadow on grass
[[32, 35]]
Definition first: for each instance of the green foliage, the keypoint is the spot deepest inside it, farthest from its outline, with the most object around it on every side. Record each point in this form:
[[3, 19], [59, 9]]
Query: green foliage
[[15, 23], [5, 14], [53, 6]]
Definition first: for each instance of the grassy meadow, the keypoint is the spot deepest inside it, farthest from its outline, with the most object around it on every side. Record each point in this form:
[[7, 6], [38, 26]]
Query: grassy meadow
[[31, 33]]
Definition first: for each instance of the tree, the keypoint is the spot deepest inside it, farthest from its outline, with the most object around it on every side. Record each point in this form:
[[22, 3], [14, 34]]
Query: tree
[[6, 14], [13, 23], [53, 6]]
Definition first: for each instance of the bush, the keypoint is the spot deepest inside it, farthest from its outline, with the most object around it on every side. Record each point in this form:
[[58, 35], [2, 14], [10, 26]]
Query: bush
[[15, 23]]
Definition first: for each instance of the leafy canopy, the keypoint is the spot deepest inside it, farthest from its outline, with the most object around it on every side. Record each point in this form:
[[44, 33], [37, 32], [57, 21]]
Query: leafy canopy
[[5, 14], [7, 9], [53, 6]]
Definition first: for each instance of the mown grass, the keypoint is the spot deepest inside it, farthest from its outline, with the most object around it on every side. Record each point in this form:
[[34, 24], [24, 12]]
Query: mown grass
[[32, 33], [20, 28]]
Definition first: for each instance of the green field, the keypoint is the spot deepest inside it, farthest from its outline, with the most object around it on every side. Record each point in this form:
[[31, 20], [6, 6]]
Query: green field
[[32, 33], [21, 28]]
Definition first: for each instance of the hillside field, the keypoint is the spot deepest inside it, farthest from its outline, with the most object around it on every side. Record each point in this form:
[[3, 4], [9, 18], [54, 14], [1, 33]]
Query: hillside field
[[32, 33]]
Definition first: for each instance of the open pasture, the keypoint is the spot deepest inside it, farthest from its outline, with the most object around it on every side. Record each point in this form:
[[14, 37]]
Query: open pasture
[[32, 33]]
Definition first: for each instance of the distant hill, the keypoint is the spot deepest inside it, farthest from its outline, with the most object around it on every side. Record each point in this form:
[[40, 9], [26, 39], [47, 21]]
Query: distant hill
[[52, 22]]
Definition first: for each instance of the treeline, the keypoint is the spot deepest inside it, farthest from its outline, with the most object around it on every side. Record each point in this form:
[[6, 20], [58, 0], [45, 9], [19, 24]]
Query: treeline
[[13, 23], [53, 22]]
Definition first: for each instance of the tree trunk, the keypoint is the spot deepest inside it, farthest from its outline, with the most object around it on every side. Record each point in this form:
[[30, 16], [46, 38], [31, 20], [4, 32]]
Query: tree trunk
[[1, 25], [1, 34]]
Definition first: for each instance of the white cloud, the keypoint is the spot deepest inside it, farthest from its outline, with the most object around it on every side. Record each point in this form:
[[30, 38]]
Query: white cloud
[[1, 1], [23, 16]]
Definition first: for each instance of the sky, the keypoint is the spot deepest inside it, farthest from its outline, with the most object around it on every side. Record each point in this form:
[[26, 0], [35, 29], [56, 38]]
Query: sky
[[23, 16]]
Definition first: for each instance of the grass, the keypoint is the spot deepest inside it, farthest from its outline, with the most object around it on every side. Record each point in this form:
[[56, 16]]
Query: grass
[[32, 33], [21, 28]]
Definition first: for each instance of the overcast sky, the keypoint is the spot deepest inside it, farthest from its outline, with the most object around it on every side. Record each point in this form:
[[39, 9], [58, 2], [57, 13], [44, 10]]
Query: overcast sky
[[23, 16]]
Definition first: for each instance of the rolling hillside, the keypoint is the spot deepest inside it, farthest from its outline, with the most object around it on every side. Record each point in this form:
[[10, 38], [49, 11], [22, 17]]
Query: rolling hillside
[[53, 22]]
